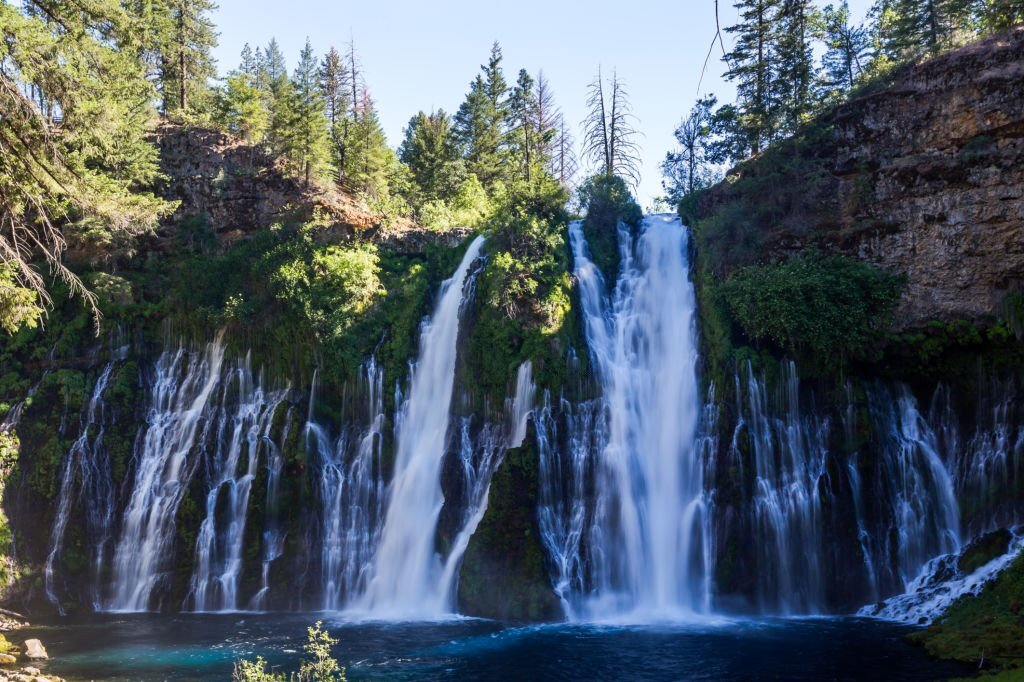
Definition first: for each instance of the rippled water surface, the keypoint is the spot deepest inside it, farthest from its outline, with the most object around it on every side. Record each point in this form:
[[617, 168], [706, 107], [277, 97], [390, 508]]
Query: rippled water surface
[[204, 647]]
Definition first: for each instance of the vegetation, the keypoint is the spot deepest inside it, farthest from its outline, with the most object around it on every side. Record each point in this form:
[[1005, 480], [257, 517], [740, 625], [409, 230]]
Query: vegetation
[[320, 666], [830, 308], [985, 630], [781, 87]]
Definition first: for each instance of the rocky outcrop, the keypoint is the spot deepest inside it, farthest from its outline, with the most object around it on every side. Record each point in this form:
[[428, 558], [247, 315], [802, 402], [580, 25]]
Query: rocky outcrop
[[924, 177], [230, 188]]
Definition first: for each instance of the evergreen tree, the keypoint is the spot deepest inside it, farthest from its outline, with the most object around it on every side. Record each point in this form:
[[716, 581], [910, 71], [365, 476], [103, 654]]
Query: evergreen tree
[[242, 107], [997, 15], [846, 48], [336, 89], [83, 179], [794, 62], [370, 160], [481, 120], [547, 119], [751, 68], [187, 63], [609, 133], [273, 82], [308, 137], [430, 151], [523, 119], [249, 62], [691, 167]]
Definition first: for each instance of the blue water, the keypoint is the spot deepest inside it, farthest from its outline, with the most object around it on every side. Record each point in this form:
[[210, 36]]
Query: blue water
[[146, 648]]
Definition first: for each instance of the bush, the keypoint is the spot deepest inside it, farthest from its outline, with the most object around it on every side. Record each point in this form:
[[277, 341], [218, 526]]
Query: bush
[[608, 202], [830, 308], [319, 667]]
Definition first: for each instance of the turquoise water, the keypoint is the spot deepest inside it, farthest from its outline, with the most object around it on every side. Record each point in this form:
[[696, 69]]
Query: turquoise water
[[146, 648]]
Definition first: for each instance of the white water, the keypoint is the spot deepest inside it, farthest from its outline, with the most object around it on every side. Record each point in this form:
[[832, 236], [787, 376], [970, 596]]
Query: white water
[[646, 541], [406, 580], [242, 430], [351, 486], [181, 392], [86, 461]]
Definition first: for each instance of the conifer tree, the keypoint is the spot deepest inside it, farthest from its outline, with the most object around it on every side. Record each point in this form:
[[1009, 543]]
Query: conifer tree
[[522, 116], [794, 62], [336, 89], [609, 134], [751, 68], [997, 15], [846, 48], [187, 60], [481, 120], [563, 164], [430, 152], [370, 160], [85, 178], [308, 137]]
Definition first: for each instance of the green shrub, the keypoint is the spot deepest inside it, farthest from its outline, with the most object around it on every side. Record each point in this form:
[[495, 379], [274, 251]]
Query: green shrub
[[608, 202], [824, 308]]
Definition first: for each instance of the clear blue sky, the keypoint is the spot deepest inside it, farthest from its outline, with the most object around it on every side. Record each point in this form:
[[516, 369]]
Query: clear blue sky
[[422, 55]]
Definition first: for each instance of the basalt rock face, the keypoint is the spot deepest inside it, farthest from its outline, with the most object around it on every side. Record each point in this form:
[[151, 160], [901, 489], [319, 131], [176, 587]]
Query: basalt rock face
[[924, 177], [235, 188]]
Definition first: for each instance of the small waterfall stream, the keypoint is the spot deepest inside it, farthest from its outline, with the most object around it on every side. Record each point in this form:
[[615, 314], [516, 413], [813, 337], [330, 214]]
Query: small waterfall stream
[[407, 579]]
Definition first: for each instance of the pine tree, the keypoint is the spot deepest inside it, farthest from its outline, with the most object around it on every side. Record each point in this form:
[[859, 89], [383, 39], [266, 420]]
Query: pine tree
[[187, 63], [794, 62], [997, 15], [547, 119], [273, 82], [751, 68], [481, 121], [846, 48], [522, 116], [83, 179], [430, 152], [370, 160], [308, 138], [563, 165], [336, 90], [609, 134], [242, 107]]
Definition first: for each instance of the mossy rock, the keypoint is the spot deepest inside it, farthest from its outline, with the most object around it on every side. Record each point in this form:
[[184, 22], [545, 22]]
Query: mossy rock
[[987, 629], [983, 550]]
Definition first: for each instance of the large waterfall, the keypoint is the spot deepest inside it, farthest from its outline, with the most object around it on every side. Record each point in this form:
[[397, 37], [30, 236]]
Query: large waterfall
[[647, 537], [407, 578]]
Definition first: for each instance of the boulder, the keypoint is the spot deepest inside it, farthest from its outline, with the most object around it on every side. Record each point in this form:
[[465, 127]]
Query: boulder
[[34, 650], [7, 659]]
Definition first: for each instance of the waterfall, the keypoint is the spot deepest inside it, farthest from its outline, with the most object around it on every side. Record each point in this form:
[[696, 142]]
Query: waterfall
[[180, 395], [406, 573], [646, 540], [87, 463], [273, 539], [789, 464], [243, 421], [351, 487]]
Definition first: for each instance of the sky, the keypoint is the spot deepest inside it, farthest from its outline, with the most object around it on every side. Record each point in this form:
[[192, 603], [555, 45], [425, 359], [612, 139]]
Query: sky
[[422, 55]]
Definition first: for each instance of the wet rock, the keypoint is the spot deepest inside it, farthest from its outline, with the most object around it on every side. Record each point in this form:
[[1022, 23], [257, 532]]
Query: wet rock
[[7, 659], [984, 549], [34, 650]]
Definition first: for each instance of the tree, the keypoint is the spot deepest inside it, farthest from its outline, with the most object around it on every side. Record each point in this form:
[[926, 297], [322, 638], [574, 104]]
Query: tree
[[83, 179], [336, 89], [431, 153], [609, 134], [480, 122], [846, 48], [308, 136], [523, 123], [563, 165], [370, 159], [187, 63], [750, 67], [547, 119], [794, 62], [691, 167], [997, 15], [242, 107]]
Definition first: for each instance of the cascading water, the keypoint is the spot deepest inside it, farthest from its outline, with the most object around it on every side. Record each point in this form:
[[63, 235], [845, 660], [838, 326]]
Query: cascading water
[[406, 579], [351, 486], [646, 540], [242, 431], [180, 395], [86, 463]]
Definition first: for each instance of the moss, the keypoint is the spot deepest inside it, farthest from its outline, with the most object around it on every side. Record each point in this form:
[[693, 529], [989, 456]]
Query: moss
[[988, 628], [503, 573], [608, 202]]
